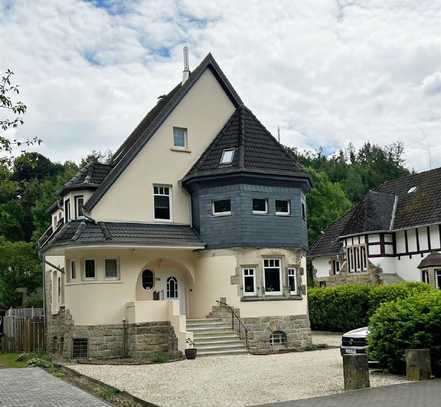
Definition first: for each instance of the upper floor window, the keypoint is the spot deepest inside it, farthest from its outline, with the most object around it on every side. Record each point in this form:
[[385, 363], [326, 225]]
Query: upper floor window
[[73, 270], [67, 210], [79, 202], [249, 281], [162, 202], [89, 269], [303, 209], [180, 138], [283, 207], [222, 207], [272, 276], [260, 206], [227, 156], [111, 269], [292, 280]]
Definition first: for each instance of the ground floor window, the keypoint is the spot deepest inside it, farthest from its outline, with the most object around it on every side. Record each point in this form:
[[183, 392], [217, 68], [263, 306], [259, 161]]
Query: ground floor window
[[278, 338], [172, 287], [272, 276], [438, 278], [111, 269], [335, 267], [147, 280], [425, 276], [292, 280], [249, 281]]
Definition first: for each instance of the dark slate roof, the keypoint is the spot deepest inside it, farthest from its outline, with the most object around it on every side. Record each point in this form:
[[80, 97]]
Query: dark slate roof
[[144, 131], [328, 243], [85, 232], [374, 213], [88, 177], [432, 260], [422, 207], [256, 151]]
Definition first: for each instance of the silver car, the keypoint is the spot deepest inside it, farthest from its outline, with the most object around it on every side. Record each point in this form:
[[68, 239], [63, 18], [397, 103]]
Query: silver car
[[354, 341]]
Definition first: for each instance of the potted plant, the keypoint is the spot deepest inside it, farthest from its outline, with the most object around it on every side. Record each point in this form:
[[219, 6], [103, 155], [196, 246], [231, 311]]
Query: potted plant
[[191, 351]]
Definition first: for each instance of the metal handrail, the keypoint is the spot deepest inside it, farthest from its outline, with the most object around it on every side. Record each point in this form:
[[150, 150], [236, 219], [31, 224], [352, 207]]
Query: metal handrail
[[240, 322]]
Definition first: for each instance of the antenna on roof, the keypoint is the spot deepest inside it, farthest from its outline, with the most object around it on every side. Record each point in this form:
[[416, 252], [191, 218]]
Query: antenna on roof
[[278, 134], [186, 73]]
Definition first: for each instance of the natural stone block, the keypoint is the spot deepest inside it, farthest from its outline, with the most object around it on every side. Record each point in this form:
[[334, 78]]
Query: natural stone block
[[356, 371], [418, 364]]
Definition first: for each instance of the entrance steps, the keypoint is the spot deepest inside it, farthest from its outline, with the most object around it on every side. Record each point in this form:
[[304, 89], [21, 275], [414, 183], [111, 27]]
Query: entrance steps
[[212, 336]]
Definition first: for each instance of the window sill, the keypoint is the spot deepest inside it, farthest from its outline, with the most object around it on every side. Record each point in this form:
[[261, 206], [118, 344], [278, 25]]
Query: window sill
[[180, 150], [219, 215], [260, 213], [94, 282], [271, 298], [283, 214]]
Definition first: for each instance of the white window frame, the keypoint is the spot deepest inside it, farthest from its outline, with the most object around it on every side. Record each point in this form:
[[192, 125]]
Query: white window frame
[[225, 213], [67, 214], [117, 269], [84, 265], [292, 272], [280, 275], [185, 147], [435, 273], [77, 206], [170, 202], [284, 213], [265, 212], [73, 261], [224, 152], [253, 275]]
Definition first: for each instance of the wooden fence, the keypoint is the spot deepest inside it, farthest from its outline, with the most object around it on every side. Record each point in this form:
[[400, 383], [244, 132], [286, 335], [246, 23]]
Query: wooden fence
[[23, 330]]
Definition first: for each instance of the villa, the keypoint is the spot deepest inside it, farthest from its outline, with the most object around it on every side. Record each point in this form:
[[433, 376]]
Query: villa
[[196, 229]]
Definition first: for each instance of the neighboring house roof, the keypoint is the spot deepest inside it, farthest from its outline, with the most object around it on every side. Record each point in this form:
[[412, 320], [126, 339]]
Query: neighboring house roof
[[88, 177], [85, 232], [421, 207], [406, 202], [148, 126], [432, 260], [373, 213], [328, 243], [255, 151]]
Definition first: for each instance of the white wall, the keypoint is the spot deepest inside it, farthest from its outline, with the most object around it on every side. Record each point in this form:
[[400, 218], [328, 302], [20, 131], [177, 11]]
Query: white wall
[[322, 266], [203, 111]]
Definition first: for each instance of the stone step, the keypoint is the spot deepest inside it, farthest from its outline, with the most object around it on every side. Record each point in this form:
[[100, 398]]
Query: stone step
[[215, 341], [222, 353], [207, 337], [196, 320], [201, 334], [208, 325], [222, 347], [217, 328]]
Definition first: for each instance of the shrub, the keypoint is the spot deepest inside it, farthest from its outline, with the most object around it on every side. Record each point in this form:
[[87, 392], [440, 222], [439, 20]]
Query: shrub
[[413, 322], [39, 362], [347, 307]]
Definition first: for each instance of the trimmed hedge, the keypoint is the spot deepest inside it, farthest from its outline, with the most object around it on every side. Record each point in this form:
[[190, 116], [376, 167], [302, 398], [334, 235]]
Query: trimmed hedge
[[409, 323], [347, 307]]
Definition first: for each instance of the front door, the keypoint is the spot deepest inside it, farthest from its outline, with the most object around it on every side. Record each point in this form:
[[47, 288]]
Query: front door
[[175, 291]]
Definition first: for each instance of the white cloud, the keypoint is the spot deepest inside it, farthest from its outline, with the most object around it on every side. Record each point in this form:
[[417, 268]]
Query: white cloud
[[328, 72]]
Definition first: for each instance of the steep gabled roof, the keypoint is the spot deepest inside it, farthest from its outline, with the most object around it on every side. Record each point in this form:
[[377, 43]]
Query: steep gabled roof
[[328, 243], [255, 151], [151, 122], [373, 213]]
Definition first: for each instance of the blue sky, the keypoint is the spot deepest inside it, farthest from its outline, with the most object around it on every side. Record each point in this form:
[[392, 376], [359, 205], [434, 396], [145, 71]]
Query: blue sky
[[328, 72]]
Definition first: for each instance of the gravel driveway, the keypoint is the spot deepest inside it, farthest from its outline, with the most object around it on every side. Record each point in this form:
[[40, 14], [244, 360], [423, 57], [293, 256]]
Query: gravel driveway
[[232, 380]]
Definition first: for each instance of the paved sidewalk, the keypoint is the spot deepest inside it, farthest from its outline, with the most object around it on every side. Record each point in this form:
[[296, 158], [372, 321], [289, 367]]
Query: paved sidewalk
[[33, 387], [420, 394]]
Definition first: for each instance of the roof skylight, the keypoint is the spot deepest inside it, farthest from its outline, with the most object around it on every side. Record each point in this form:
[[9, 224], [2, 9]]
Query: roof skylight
[[411, 190], [227, 156]]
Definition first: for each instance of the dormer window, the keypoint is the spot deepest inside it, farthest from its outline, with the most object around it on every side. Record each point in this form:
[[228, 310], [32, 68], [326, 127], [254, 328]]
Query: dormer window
[[180, 141], [79, 202], [412, 190], [227, 156], [67, 210]]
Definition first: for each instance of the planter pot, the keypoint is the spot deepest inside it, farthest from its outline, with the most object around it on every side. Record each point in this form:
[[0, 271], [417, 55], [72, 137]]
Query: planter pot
[[191, 353]]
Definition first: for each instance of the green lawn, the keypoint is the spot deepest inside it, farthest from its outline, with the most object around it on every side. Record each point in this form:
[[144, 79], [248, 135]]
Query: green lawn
[[8, 360]]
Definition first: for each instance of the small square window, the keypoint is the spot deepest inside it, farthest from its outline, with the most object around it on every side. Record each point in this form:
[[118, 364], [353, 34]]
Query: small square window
[[111, 269], [227, 156], [260, 206], [180, 138], [222, 207], [89, 269], [283, 207]]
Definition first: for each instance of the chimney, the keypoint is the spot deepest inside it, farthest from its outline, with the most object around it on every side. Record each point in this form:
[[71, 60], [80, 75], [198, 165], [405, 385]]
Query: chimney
[[186, 73]]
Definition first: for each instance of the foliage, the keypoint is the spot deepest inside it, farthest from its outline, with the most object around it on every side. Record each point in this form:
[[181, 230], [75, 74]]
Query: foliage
[[347, 307], [409, 323], [14, 110], [159, 357], [44, 363], [9, 360]]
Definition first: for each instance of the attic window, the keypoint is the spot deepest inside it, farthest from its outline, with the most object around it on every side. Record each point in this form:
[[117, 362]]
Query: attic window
[[411, 190], [227, 156]]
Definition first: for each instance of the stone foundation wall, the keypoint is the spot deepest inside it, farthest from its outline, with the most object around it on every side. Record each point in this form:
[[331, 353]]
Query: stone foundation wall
[[107, 341], [296, 328]]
